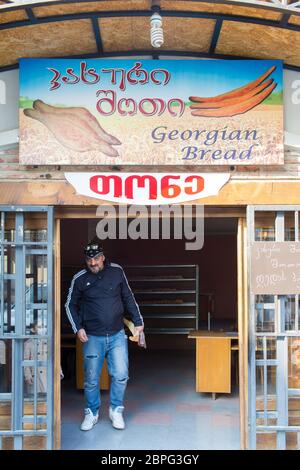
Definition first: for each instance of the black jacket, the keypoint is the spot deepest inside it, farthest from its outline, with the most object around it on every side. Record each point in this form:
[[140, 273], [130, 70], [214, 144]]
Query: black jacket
[[97, 302]]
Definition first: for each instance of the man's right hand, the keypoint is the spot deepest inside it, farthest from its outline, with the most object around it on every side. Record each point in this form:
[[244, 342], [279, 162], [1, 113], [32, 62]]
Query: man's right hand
[[82, 336]]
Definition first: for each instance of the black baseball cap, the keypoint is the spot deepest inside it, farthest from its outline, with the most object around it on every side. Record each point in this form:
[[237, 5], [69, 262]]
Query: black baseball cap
[[93, 249]]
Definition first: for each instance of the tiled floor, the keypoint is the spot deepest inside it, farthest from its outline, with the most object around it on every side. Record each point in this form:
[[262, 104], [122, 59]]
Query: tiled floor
[[162, 410]]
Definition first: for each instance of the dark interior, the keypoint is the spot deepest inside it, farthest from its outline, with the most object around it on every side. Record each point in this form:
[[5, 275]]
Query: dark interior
[[217, 262]]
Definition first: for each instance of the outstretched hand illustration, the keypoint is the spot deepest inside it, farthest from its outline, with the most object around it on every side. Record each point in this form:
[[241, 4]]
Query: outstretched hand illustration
[[75, 128]]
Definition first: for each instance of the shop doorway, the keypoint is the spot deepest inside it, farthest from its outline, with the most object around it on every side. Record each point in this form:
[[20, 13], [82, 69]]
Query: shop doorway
[[178, 291]]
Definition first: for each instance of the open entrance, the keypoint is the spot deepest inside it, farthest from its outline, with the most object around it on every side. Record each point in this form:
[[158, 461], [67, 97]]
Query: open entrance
[[169, 401]]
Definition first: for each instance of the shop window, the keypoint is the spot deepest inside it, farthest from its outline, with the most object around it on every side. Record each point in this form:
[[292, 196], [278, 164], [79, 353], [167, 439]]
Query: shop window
[[5, 366], [265, 226], [265, 313], [289, 226]]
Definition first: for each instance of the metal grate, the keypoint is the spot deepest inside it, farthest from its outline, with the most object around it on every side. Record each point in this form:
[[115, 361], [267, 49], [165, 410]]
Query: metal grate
[[26, 328], [274, 337]]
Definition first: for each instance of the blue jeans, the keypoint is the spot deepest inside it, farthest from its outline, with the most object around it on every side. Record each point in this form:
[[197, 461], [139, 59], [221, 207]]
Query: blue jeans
[[115, 349]]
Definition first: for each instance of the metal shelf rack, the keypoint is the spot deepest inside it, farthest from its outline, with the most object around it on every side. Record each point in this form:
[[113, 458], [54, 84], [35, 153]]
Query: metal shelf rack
[[168, 296]]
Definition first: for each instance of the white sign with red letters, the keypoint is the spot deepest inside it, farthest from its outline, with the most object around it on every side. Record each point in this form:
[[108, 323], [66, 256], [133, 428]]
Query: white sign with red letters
[[148, 188]]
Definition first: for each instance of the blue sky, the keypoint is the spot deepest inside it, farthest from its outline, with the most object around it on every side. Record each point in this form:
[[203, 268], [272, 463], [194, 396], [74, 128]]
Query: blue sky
[[188, 77]]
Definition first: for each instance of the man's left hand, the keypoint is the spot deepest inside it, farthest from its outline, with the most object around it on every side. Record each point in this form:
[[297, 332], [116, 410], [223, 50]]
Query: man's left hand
[[138, 329]]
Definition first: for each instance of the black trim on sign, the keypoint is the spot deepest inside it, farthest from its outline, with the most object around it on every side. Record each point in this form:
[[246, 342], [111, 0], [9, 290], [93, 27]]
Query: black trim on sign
[[31, 15], [145, 13], [155, 56], [285, 19], [97, 35], [270, 7], [215, 36]]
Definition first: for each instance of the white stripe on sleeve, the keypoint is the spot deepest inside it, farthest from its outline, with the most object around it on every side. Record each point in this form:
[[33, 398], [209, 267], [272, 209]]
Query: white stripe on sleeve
[[138, 309], [69, 299]]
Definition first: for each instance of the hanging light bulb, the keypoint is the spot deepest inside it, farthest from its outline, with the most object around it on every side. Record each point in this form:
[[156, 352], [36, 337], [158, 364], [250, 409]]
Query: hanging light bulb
[[156, 31]]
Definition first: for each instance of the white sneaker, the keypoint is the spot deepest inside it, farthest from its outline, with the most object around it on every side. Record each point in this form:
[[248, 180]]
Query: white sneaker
[[89, 420], [116, 416]]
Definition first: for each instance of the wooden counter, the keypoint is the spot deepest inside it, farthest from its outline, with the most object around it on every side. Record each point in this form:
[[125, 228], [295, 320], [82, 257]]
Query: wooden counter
[[213, 360]]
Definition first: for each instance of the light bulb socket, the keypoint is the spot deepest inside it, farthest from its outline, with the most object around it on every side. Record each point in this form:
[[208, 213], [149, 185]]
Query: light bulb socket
[[155, 6], [156, 20]]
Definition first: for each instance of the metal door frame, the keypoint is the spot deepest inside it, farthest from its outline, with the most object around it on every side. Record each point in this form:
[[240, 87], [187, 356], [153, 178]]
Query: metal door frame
[[282, 390], [16, 395]]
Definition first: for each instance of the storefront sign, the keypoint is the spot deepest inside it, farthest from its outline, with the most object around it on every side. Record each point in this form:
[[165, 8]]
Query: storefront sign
[[147, 188], [275, 267], [143, 112]]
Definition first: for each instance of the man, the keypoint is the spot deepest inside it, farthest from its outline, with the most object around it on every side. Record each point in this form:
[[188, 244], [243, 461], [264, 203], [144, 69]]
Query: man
[[97, 299]]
